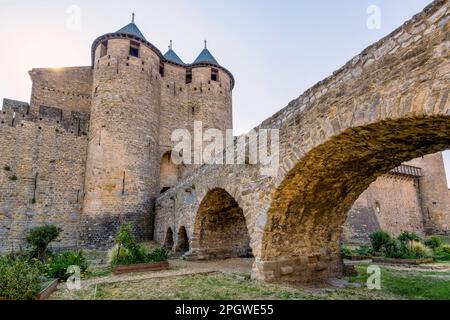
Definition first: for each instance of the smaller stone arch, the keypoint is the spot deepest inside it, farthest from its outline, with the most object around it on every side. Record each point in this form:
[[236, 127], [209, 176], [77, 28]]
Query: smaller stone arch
[[182, 241], [168, 242], [220, 229]]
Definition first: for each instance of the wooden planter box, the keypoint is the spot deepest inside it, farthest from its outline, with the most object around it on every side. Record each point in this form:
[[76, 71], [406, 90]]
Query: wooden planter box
[[142, 267], [47, 289], [358, 258], [402, 261]]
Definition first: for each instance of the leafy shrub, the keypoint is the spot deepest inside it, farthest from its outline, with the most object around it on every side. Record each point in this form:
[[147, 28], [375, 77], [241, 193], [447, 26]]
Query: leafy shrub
[[379, 239], [363, 251], [116, 254], [395, 249], [346, 251], [129, 251], [433, 242], [406, 237], [19, 279], [445, 248], [443, 252], [57, 266], [40, 237], [134, 253], [159, 255], [418, 250]]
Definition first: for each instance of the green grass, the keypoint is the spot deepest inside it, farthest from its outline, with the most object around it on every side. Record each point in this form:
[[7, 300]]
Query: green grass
[[197, 287], [396, 284], [98, 273], [414, 285]]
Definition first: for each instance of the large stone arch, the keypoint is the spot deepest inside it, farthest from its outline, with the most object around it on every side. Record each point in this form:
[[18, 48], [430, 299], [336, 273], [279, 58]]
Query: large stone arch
[[220, 228], [302, 235]]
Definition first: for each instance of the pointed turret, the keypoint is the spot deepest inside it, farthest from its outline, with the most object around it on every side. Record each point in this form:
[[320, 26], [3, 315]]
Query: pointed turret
[[172, 56], [132, 29], [206, 57]]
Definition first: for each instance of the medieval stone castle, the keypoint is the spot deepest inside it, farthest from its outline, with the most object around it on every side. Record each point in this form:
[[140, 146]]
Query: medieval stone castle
[[92, 150]]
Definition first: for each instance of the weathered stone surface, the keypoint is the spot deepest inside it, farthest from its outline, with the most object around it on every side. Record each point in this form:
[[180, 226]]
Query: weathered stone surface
[[388, 105]]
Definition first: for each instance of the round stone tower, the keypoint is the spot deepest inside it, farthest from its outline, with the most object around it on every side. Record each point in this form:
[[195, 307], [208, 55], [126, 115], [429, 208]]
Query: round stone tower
[[139, 98], [122, 168]]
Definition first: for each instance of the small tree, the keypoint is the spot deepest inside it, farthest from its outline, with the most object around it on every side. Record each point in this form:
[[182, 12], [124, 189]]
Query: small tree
[[40, 237]]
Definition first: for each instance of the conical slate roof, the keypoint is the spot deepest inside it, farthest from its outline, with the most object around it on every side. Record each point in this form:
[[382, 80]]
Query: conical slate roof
[[172, 56], [133, 30], [206, 57]]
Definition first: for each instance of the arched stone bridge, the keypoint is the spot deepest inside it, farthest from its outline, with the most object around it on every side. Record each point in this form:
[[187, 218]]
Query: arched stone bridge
[[388, 105]]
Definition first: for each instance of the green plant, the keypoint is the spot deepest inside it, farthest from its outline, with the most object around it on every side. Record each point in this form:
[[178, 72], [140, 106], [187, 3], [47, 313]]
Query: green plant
[[433, 242], [406, 237], [13, 178], [346, 251], [133, 252], [395, 249], [363, 251], [128, 251], [418, 250], [443, 252], [159, 254], [411, 250], [40, 237], [19, 279], [57, 266], [445, 248], [379, 239]]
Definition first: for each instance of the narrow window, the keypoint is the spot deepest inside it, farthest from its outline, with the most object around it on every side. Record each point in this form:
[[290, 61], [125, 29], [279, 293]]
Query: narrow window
[[104, 49], [161, 69], [134, 49], [214, 75], [188, 76]]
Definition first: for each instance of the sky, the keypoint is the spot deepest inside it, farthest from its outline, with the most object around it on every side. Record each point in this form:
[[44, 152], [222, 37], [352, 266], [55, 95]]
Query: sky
[[275, 49]]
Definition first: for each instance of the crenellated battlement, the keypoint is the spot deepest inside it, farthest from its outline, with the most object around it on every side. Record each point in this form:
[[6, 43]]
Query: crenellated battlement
[[16, 114]]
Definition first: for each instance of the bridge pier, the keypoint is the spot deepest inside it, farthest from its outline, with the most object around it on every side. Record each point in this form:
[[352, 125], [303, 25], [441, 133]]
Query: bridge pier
[[303, 269]]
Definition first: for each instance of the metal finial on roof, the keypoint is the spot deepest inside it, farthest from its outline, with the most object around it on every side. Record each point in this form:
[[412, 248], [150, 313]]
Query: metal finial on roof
[[132, 17], [170, 46], [206, 44]]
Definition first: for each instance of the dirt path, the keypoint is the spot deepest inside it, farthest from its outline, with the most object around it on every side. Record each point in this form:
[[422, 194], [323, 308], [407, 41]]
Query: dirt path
[[178, 268]]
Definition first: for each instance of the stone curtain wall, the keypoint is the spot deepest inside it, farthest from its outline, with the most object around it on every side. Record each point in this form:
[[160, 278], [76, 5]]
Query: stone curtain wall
[[386, 106], [41, 176], [405, 203], [391, 203]]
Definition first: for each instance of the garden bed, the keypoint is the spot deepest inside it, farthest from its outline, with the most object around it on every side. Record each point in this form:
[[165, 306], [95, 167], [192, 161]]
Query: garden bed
[[358, 258], [142, 267], [402, 261], [47, 288]]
